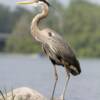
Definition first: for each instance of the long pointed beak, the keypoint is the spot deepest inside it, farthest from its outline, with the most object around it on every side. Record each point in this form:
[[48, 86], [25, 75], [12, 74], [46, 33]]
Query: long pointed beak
[[25, 2]]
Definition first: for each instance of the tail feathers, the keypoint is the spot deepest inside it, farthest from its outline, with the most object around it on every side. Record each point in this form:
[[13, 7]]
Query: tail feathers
[[75, 68], [74, 71]]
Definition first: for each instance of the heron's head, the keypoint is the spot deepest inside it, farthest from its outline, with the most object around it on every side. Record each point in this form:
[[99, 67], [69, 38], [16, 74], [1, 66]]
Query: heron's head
[[33, 2]]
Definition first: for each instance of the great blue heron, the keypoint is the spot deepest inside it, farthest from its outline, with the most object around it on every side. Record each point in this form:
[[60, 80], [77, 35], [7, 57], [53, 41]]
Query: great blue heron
[[54, 46]]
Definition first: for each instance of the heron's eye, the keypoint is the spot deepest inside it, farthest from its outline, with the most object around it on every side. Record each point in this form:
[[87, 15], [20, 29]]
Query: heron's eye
[[50, 34]]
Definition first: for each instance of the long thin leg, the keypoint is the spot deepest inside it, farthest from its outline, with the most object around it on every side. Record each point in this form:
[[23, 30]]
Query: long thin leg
[[66, 84], [56, 79]]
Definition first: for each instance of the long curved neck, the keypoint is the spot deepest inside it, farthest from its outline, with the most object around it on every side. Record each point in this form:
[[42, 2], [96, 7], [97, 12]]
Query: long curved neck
[[38, 17]]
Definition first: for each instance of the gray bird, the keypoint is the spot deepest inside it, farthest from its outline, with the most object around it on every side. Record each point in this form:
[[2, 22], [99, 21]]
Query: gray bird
[[54, 46]]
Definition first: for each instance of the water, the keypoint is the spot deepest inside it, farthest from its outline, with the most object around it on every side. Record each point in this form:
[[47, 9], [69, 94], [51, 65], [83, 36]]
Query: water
[[37, 73]]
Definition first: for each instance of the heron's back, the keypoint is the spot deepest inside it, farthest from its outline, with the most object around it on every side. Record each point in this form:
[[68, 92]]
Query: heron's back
[[60, 52], [63, 55]]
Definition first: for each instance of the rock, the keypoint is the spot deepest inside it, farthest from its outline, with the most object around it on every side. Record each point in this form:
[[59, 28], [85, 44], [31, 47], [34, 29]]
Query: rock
[[23, 93]]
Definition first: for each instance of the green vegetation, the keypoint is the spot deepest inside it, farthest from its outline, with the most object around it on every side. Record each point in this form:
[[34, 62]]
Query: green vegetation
[[79, 23], [83, 28], [21, 41]]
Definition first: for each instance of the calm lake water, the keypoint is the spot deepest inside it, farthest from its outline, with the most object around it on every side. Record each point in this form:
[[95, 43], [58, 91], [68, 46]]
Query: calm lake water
[[37, 73]]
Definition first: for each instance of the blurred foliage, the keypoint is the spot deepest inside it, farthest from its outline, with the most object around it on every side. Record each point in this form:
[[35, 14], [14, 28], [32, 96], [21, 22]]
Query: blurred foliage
[[20, 40], [83, 27], [79, 23]]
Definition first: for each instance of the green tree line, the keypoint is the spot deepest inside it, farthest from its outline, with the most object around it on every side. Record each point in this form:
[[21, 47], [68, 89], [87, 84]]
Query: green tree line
[[79, 23]]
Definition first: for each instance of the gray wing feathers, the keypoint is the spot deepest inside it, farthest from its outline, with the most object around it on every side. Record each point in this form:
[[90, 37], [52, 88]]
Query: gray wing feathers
[[60, 53], [57, 49]]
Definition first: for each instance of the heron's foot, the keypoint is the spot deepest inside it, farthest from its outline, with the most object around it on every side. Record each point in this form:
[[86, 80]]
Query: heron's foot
[[58, 98], [52, 98], [62, 97]]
